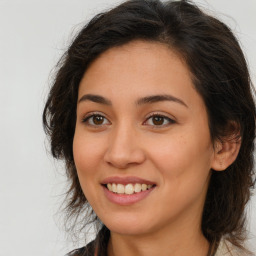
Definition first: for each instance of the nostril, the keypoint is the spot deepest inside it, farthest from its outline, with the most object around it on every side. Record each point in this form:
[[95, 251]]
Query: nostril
[[122, 160]]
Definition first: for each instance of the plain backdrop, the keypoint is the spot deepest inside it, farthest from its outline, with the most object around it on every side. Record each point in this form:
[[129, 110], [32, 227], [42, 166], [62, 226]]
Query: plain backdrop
[[33, 35]]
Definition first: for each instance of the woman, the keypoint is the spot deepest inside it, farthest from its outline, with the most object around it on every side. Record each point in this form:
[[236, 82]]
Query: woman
[[153, 113]]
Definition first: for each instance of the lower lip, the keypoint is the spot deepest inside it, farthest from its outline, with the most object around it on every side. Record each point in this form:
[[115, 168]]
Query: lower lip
[[123, 199]]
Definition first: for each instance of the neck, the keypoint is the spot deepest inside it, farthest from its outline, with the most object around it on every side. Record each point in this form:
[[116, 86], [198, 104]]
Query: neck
[[177, 243]]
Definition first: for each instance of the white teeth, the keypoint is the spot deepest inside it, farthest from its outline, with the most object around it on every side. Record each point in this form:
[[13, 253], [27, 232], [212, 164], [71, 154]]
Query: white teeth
[[120, 188], [128, 189], [114, 188], [137, 188], [144, 187], [109, 186]]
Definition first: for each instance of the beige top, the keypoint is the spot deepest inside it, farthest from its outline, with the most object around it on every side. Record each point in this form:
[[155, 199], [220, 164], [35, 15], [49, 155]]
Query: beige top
[[224, 249], [227, 249]]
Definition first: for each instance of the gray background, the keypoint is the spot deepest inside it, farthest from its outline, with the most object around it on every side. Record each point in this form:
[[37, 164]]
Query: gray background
[[33, 35]]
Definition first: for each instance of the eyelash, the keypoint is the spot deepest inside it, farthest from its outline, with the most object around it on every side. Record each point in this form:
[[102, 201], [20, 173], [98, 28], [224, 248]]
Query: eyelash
[[170, 121], [87, 118]]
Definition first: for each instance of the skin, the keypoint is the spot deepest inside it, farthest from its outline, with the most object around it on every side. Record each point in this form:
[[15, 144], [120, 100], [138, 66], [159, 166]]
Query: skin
[[176, 155]]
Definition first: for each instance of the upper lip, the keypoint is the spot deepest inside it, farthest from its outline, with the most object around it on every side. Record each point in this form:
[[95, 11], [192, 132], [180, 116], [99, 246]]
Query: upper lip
[[126, 180]]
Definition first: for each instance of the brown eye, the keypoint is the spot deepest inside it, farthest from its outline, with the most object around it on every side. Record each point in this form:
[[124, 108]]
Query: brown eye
[[157, 120], [98, 120], [95, 120]]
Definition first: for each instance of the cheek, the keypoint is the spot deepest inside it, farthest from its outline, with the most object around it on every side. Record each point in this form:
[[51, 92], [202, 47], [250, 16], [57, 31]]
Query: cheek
[[87, 156], [184, 163], [186, 155], [86, 150]]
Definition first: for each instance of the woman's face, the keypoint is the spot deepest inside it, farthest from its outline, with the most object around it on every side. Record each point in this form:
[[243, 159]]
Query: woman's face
[[142, 126]]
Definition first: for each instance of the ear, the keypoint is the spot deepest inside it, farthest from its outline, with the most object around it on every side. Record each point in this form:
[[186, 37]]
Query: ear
[[225, 153]]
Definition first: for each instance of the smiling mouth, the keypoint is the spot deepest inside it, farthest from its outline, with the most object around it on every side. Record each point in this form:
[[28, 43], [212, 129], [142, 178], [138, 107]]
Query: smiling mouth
[[128, 189]]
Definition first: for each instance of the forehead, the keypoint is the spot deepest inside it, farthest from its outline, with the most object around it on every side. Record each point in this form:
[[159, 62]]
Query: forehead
[[143, 56], [136, 69]]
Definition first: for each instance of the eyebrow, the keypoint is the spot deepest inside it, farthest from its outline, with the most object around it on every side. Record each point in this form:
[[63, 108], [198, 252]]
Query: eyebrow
[[95, 98], [142, 101], [158, 98]]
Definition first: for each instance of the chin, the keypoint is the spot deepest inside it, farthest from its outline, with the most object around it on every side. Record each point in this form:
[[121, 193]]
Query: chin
[[127, 230], [128, 226]]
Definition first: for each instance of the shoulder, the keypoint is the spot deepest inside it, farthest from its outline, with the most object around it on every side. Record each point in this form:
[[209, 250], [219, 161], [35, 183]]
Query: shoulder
[[79, 252], [95, 247], [227, 249], [88, 250]]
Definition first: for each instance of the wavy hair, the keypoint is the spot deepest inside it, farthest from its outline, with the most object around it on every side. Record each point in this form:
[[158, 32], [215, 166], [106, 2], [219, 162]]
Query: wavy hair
[[220, 75]]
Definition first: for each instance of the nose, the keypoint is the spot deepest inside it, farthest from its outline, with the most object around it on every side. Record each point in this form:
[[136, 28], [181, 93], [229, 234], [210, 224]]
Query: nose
[[124, 149]]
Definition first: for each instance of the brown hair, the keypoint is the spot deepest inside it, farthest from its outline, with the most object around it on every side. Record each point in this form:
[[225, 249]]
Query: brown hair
[[220, 76]]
